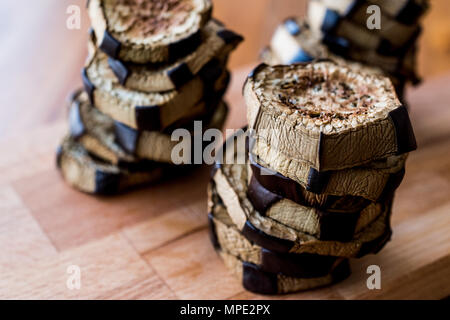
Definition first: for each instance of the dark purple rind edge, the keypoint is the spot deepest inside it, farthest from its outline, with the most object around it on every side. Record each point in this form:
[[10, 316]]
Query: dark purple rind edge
[[119, 69], [180, 75], [209, 73], [59, 152], [342, 46], [126, 137], [278, 183], [88, 86], [148, 118], [294, 29], [292, 26], [92, 36], [261, 198], [266, 241], [353, 7], [317, 181], [410, 45], [411, 12], [394, 181], [374, 246], [214, 169], [76, 124], [301, 57], [184, 46], [230, 37], [330, 21], [337, 226], [106, 183], [257, 69], [258, 281], [385, 46], [337, 45], [212, 232], [341, 271], [404, 133], [141, 165], [217, 21], [110, 45], [287, 187]]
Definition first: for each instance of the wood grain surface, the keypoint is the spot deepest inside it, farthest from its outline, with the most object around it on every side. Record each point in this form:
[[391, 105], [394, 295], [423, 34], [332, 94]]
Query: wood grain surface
[[152, 243]]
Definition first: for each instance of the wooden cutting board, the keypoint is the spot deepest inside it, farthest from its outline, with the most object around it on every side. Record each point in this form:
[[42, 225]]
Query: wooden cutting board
[[153, 243]]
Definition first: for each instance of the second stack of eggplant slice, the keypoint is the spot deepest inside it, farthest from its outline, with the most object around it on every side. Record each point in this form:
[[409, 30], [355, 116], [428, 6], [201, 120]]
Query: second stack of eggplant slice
[[153, 67]]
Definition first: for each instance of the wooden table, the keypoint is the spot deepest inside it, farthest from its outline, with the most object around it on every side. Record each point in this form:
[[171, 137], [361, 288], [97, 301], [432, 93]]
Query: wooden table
[[153, 243]]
